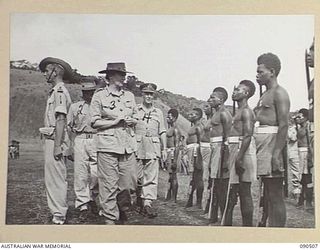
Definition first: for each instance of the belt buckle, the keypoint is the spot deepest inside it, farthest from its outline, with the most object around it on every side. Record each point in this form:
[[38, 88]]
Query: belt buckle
[[88, 136]]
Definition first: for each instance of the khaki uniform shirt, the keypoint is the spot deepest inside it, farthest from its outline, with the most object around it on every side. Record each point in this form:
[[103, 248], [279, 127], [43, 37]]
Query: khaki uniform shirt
[[59, 101], [106, 105], [79, 118], [149, 127]]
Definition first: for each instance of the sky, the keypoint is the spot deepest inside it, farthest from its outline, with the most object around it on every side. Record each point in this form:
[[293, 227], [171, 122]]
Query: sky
[[184, 54]]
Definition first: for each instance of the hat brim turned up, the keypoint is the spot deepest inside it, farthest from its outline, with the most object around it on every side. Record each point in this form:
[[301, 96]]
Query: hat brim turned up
[[68, 72]]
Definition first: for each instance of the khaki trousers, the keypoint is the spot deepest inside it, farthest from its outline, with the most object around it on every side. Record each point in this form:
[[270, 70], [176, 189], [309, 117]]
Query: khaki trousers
[[116, 172], [85, 171], [55, 176], [148, 172]]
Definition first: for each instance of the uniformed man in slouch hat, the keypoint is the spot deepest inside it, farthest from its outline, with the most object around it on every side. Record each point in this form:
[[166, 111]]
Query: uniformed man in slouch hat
[[151, 139], [85, 152], [56, 72], [112, 110]]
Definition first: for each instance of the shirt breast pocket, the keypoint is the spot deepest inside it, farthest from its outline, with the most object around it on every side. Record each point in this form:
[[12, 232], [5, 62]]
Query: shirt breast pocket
[[128, 104], [111, 105]]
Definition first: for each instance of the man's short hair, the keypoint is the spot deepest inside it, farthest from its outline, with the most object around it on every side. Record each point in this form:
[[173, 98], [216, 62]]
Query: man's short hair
[[305, 113], [222, 92], [250, 85], [174, 112], [271, 61], [199, 111]]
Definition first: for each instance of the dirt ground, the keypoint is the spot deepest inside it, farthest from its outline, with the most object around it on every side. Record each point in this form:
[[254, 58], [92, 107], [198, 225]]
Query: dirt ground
[[26, 199]]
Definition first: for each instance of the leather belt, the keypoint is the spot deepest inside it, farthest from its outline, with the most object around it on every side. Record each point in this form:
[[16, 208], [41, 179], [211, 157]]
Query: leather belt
[[85, 135]]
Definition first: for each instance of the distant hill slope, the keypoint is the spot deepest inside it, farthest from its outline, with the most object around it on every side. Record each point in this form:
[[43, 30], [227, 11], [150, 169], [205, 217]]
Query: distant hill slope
[[28, 95]]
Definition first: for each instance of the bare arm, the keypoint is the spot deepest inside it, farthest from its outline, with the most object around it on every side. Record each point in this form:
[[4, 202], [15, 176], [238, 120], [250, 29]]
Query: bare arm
[[226, 121], [198, 134], [176, 145], [282, 103], [247, 121], [60, 125]]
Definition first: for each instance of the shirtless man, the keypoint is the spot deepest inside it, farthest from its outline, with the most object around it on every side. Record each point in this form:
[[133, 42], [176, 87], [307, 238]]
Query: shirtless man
[[221, 123], [173, 137], [194, 157], [304, 172], [205, 149], [242, 155], [272, 115]]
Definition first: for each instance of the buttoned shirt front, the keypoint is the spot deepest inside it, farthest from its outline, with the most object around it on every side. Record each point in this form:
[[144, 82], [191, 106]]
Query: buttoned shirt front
[[106, 105], [149, 127], [79, 118], [59, 101]]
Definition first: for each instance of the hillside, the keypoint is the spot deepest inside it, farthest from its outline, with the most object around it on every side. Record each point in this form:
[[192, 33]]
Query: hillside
[[28, 95]]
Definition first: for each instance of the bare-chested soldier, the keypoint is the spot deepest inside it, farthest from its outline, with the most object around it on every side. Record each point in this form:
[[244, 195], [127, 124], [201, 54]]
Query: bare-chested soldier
[[221, 123], [205, 149], [304, 172], [272, 115], [194, 157], [242, 155], [173, 137]]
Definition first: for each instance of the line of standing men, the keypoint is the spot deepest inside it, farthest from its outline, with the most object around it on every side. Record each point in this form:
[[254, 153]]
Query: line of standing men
[[109, 125]]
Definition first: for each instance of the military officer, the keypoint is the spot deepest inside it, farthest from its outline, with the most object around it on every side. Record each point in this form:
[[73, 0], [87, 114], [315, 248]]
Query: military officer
[[85, 152], [151, 138], [112, 109], [58, 102]]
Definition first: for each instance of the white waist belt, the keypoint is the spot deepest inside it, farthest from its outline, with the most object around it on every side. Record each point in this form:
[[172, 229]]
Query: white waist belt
[[193, 145], [205, 144], [303, 149], [234, 139], [216, 139], [265, 129]]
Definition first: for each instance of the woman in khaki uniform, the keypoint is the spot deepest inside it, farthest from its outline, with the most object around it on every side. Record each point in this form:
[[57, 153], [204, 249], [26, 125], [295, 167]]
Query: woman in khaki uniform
[[112, 110]]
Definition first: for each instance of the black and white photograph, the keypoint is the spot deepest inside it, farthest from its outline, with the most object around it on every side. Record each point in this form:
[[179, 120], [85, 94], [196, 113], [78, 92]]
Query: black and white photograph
[[166, 120]]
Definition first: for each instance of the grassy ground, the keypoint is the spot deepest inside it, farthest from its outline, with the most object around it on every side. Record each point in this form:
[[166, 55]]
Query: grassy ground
[[26, 199]]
